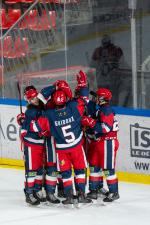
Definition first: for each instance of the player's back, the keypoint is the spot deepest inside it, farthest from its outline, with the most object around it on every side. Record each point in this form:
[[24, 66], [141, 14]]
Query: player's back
[[65, 126]]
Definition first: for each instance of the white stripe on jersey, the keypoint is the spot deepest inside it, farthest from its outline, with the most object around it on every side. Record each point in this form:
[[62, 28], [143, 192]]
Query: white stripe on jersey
[[113, 177], [86, 164], [23, 131], [104, 126], [53, 149], [30, 158], [30, 179], [38, 177], [113, 154], [94, 174], [80, 176], [68, 179], [105, 154], [70, 144], [51, 178], [41, 141], [57, 161], [35, 127]]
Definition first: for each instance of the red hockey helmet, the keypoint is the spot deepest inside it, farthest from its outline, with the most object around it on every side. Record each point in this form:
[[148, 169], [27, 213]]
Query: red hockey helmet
[[59, 97], [104, 95], [30, 92]]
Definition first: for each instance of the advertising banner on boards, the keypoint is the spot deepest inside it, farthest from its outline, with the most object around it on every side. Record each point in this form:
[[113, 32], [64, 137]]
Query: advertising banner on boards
[[134, 150]]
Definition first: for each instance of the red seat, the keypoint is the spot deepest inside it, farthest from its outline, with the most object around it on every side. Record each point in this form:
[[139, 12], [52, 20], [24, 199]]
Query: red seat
[[7, 47], [13, 15], [46, 1], [8, 19], [1, 75], [52, 15], [32, 18], [4, 21], [17, 49], [21, 47], [42, 22], [23, 24], [29, 19], [53, 1], [59, 1], [12, 1], [1, 49], [27, 1], [26, 49]]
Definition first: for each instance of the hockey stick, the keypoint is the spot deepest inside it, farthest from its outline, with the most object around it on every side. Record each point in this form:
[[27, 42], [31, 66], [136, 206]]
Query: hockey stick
[[19, 95], [86, 149], [20, 104]]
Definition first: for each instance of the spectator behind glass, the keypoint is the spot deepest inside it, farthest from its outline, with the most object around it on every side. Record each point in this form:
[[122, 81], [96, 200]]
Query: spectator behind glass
[[107, 59]]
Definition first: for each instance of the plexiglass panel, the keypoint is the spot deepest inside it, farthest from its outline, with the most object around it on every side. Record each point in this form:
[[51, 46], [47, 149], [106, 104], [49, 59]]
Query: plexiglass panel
[[44, 40]]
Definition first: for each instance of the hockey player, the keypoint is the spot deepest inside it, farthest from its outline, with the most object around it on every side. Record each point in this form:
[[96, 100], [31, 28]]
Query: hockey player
[[45, 97], [34, 150], [64, 123], [92, 108], [33, 147], [103, 148]]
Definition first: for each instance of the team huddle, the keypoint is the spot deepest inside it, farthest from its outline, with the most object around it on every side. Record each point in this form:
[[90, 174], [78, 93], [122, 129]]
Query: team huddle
[[62, 136]]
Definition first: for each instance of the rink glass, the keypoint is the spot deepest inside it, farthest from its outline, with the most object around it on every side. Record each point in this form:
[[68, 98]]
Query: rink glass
[[40, 53]]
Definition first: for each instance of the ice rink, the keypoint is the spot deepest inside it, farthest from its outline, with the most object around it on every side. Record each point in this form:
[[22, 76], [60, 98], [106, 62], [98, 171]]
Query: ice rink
[[133, 207]]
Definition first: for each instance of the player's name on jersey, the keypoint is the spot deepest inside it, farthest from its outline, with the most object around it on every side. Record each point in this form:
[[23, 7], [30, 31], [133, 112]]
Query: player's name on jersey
[[65, 121]]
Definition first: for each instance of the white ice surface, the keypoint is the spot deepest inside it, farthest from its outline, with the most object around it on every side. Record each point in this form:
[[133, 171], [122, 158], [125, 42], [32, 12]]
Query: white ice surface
[[132, 209]]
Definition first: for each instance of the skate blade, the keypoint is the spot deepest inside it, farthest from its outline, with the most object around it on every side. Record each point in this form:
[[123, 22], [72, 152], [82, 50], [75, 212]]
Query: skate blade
[[68, 206], [110, 203], [33, 206], [83, 205], [99, 202], [56, 205]]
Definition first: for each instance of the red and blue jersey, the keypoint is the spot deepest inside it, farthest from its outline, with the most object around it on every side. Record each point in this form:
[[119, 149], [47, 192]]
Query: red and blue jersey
[[106, 124], [64, 124], [28, 136]]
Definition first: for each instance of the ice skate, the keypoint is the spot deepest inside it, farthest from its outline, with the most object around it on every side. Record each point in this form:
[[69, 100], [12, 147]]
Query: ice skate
[[93, 194], [31, 199], [111, 197], [83, 199], [51, 198], [69, 200], [102, 192], [40, 196]]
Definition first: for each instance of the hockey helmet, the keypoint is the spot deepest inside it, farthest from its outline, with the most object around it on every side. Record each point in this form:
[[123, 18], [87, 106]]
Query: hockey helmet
[[30, 92], [59, 98], [104, 95]]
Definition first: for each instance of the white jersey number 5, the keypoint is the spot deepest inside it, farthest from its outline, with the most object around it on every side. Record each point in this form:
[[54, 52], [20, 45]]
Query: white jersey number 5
[[69, 136]]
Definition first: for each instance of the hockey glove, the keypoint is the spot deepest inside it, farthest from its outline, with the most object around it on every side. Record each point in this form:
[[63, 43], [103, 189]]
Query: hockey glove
[[82, 79], [20, 118], [88, 121], [64, 86]]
